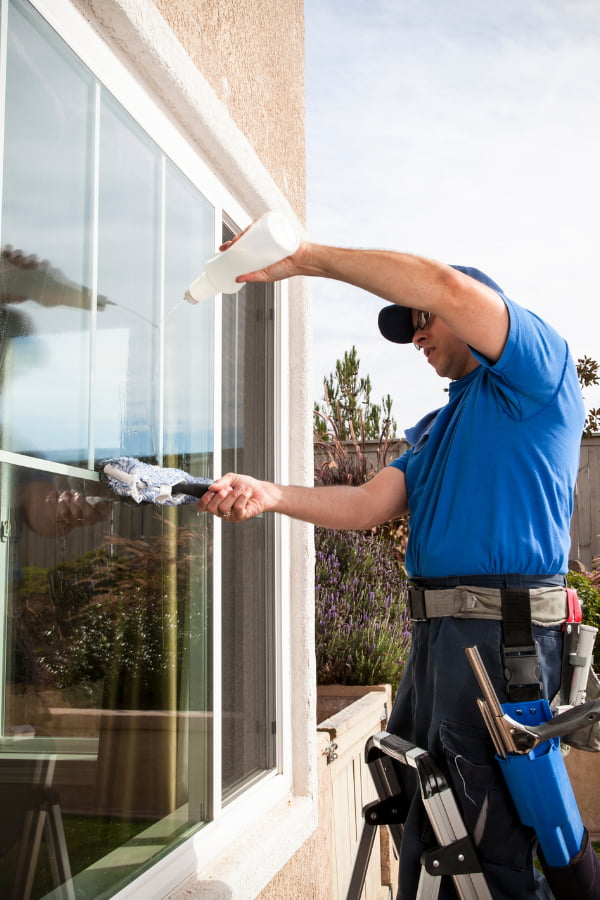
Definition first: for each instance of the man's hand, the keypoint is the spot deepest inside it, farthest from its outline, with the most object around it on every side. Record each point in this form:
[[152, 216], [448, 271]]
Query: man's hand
[[51, 513], [236, 497], [26, 277], [279, 271]]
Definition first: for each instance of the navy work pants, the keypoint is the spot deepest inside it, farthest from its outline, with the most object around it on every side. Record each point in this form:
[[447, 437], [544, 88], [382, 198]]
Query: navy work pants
[[436, 709]]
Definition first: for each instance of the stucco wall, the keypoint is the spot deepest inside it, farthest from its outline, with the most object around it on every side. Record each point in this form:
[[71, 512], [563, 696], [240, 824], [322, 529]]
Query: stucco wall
[[252, 54], [245, 63], [309, 873]]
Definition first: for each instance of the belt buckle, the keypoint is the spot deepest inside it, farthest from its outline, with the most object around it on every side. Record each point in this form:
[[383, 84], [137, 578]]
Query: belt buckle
[[416, 604], [522, 672]]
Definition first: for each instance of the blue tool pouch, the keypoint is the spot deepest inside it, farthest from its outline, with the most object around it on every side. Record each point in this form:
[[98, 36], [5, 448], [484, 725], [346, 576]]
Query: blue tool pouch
[[541, 789]]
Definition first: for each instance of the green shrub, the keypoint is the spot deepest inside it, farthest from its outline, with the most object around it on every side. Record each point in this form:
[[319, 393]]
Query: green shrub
[[589, 597]]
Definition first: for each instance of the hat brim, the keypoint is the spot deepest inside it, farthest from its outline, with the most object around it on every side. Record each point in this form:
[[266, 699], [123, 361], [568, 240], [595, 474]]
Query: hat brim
[[395, 324]]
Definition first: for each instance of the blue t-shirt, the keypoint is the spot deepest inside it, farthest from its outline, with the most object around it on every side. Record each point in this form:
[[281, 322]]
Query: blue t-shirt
[[490, 476]]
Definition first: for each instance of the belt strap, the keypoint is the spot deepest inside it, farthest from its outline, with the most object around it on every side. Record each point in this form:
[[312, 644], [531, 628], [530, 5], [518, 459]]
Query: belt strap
[[519, 652], [506, 580]]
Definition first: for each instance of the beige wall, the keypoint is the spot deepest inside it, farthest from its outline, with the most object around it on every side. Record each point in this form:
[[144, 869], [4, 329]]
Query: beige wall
[[252, 54], [309, 873], [244, 56]]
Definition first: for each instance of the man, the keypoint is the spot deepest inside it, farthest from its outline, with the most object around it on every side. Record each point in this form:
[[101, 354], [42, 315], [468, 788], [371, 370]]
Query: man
[[488, 484]]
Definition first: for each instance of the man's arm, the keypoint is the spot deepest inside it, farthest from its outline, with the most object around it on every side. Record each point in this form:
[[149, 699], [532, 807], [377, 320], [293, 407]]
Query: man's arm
[[240, 497], [474, 312]]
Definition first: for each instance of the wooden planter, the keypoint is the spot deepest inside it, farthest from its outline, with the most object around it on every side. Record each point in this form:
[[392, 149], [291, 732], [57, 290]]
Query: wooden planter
[[349, 715], [332, 698]]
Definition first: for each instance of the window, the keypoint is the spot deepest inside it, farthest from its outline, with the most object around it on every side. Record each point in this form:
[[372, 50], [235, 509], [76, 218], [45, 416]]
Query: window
[[247, 668], [137, 657]]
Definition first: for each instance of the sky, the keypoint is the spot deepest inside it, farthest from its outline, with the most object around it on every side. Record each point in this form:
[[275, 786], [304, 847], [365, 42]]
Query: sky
[[464, 131]]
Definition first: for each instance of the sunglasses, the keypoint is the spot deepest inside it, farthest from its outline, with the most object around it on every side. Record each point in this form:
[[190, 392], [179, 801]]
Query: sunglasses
[[422, 319]]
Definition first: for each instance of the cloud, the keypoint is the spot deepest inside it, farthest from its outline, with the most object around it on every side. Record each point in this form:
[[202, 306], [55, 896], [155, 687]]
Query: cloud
[[464, 132]]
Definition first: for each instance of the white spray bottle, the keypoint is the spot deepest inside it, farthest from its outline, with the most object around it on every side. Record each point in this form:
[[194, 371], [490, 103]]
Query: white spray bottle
[[269, 239]]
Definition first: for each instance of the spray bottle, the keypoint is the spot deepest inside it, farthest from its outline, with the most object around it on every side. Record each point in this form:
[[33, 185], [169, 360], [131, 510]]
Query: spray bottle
[[269, 239]]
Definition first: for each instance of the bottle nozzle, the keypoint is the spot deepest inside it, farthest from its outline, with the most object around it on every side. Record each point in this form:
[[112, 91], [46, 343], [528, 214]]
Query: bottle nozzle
[[200, 289]]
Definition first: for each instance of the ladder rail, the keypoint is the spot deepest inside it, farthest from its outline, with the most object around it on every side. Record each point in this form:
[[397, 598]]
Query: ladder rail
[[456, 855]]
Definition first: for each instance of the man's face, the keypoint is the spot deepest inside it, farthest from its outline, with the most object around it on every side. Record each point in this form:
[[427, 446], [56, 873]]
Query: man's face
[[449, 356]]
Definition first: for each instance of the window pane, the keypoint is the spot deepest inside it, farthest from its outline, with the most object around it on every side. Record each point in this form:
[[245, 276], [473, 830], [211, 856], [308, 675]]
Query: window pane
[[45, 299], [126, 401], [249, 738], [106, 695], [106, 625], [189, 358]]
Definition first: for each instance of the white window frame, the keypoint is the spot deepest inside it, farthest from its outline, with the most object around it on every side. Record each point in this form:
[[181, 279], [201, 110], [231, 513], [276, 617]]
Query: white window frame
[[251, 839]]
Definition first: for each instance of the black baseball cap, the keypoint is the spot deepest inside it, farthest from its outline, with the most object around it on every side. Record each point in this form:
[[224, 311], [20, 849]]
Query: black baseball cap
[[395, 322]]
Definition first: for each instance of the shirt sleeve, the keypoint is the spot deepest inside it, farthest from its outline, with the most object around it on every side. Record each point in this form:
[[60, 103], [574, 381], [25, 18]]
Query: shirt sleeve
[[401, 461], [532, 366]]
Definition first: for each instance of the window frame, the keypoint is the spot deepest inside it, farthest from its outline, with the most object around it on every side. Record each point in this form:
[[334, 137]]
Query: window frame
[[90, 47]]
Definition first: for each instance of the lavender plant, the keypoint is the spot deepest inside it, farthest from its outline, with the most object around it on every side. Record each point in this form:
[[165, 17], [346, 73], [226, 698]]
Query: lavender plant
[[362, 627]]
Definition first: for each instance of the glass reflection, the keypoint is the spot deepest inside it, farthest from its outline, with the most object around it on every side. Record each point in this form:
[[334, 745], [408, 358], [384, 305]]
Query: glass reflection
[[106, 692], [105, 650], [126, 397], [188, 329], [45, 270]]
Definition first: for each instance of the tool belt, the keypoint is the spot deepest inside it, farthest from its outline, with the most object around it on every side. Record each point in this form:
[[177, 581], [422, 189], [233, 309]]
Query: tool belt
[[548, 605], [532, 602], [516, 607]]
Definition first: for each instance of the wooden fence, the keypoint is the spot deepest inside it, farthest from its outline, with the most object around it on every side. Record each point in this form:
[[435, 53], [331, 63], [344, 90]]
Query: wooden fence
[[585, 525]]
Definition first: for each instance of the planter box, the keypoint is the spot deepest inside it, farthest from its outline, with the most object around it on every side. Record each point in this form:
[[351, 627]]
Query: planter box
[[332, 698], [360, 713]]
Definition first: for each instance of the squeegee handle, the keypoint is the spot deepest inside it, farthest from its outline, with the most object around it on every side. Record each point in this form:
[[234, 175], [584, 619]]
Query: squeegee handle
[[574, 718], [192, 488]]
